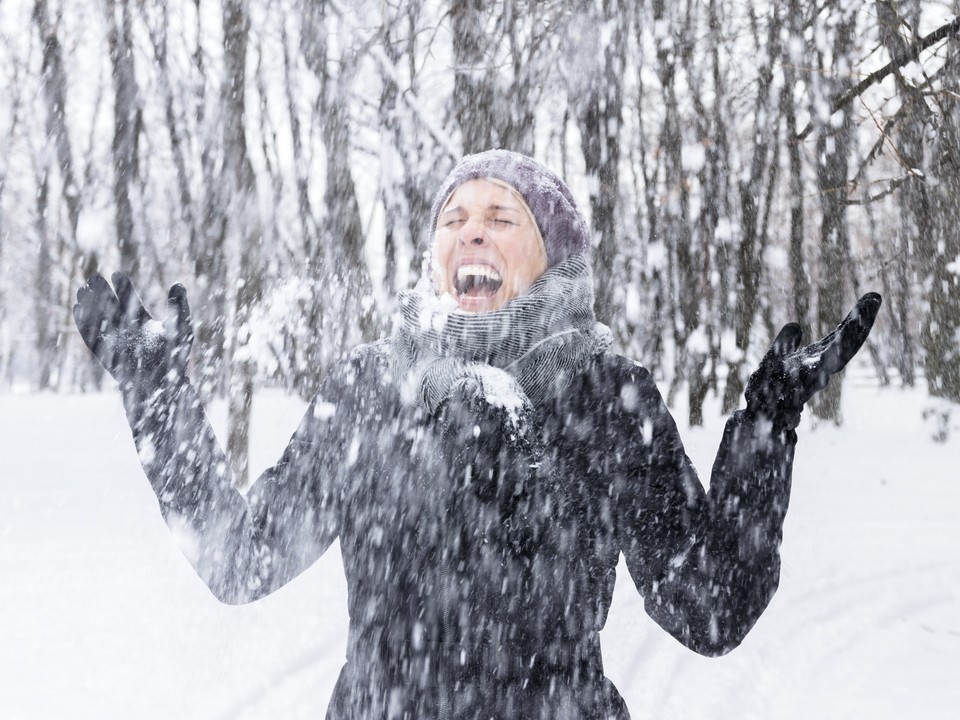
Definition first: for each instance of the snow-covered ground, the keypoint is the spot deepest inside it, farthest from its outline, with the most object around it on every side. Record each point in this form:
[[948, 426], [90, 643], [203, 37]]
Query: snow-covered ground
[[100, 617]]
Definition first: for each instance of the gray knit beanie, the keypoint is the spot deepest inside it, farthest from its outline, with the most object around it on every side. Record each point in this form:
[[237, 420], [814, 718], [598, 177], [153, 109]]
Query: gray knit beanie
[[562, 226]]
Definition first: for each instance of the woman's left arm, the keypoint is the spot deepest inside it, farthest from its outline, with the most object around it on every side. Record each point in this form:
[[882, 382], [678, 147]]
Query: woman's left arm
[[707, 562]]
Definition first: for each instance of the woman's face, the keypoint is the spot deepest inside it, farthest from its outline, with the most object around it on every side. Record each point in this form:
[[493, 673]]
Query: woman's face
[[486, 250]]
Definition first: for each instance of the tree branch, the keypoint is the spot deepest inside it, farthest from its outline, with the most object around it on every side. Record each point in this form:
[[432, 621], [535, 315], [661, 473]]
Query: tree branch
[[898, 61], [891, 188]]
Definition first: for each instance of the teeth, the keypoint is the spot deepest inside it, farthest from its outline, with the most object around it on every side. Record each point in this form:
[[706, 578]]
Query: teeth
[[484, 271]]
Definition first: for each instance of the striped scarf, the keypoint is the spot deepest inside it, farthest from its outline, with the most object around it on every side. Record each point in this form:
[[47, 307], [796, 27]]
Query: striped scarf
[[526, 352]]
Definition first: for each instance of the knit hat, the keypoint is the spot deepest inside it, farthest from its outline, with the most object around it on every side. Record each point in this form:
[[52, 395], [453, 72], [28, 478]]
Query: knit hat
[[562, 226]]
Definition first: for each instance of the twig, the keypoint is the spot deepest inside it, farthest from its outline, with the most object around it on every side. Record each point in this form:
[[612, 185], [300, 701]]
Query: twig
[[894, 184], [887, 263]]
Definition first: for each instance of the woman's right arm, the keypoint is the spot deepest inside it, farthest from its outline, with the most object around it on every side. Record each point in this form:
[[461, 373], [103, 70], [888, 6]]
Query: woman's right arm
[[242, 547]]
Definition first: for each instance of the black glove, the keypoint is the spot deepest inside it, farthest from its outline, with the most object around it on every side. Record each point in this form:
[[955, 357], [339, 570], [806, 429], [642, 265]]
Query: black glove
[[142, 354], [788, 377], [492, 459], [494, 440]]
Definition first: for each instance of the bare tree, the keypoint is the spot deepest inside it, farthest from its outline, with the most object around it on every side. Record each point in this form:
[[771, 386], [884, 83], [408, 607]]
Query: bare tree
[[940, 245], [127, 126], [675, 222], [15, 105], [178, 135], [209, 254], [833, 141], [406, 201], [51, 318], [596, 94], [913, 199], [497, 51], [341, 312], [646, 333], [242, 232], [708, 80], [755, 191], [795, 58]]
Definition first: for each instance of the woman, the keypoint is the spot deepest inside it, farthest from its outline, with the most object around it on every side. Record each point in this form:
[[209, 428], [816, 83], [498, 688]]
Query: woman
[[483, 468]]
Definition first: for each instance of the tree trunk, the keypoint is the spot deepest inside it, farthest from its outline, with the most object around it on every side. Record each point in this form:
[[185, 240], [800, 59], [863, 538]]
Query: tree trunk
[[940, 245], [344, 229], [126, 132], [342, 313], [188, 214], [44, 317], [50, 292], [753, 226], [474, 98], [242, 228], [598, 107], [209, 255], [912, 199], [397, 209], [833, 151], [799, 276]]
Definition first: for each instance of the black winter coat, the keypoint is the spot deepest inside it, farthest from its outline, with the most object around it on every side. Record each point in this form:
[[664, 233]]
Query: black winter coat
[[480, 544]]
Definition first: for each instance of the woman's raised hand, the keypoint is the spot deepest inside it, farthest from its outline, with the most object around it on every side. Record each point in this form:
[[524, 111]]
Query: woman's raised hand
[[141, 353], [788, 375]]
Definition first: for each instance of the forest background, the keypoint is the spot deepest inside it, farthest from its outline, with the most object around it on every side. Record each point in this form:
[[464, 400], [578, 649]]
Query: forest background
[[742, 165]]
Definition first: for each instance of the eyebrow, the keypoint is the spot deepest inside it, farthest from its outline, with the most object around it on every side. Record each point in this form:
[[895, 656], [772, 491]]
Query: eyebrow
[[458, 208]]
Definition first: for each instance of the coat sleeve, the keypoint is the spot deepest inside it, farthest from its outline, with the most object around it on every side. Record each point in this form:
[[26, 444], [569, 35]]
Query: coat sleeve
[[246, 546], [707, 563]]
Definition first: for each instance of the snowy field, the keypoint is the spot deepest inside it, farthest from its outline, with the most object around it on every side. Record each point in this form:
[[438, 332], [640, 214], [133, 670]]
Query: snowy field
[[100, 617]]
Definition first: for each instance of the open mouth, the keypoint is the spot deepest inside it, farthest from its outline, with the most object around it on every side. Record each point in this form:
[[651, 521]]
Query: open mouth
[[477, 281]]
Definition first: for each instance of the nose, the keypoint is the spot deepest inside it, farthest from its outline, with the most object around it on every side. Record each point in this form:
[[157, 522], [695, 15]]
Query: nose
[[473, 232]]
